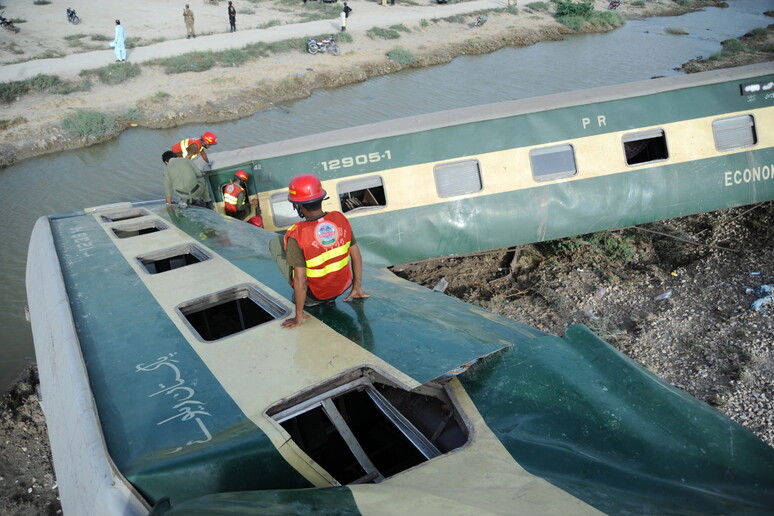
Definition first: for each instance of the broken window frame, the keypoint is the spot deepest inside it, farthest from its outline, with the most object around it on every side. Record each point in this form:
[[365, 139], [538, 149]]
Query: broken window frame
[[365, 382], [349, 193], [273, 308], [644, 137]]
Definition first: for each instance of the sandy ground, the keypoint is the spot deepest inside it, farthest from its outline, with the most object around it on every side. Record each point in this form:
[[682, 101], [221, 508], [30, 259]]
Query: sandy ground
[[33, 122]]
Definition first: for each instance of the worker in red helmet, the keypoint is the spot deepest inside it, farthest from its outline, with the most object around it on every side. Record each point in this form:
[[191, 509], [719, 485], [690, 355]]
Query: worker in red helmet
[[322, 256], [235, 197], [192, 147]]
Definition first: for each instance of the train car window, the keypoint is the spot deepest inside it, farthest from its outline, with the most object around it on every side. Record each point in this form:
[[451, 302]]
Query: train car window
[[551, 163], [645, 147], [734, 133], [283, 211], [365, 193], [459, 178]]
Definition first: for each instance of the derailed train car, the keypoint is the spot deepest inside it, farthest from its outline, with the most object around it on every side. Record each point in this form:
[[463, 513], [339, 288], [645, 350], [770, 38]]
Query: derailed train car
[[531, 170], [169, 385]]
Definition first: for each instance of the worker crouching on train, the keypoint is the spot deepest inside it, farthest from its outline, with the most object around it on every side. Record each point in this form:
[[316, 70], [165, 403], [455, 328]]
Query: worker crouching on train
[[236, 200], [319, 255]]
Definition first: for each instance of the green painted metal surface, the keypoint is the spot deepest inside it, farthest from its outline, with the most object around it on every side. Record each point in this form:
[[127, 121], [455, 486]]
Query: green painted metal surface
[[163, 432], [598, 425], [420, 332]]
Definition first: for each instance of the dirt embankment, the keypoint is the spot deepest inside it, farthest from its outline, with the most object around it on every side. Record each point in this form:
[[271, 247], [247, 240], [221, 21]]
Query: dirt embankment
[[31, 125]]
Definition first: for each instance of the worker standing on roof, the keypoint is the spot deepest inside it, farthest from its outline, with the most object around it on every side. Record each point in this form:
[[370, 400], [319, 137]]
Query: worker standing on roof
[[318, 255], [236, 200], [192, 147], [184, 180]]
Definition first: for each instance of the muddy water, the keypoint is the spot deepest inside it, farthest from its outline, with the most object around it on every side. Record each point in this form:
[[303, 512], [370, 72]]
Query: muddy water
[[129, 168]]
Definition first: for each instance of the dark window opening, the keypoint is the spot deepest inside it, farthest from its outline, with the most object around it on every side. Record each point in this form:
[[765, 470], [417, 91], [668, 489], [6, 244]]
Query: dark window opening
[[361, 194], [141, 228], [118, 216], [362, 432], [645, 147], [230, 312], [170, 259]]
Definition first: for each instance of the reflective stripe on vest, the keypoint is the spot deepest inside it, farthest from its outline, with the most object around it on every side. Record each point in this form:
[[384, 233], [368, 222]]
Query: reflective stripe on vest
[[184, 148], [312, 270]]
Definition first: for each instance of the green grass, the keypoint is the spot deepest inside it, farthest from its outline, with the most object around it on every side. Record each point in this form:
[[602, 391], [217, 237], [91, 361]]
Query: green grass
[[733, 45], [90, 124], [638, 3], [114, 73], [575, 16], [676, 31], [131, 114], [379, 32], [160, 96], [270, 23], [41, 2], [538, 6], [759, 33], [7, 124], [400, 28], [41, 83], [191, 62], [246, 10], [233, 57], [100, 37], [402, 56]]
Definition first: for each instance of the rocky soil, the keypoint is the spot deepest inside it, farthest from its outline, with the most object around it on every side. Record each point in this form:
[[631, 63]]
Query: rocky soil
[[671, 295]]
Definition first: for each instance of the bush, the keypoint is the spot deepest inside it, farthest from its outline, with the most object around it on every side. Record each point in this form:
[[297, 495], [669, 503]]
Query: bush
[[90, 124], [402, 56], [270, 23], [575, 23], [606, 18], [759, 33], [733, 45], [131, 114], [400, 28], [568, 8], [378, 32], [233, 57], [191, 62], [100, 37], [160, 96], [114, 73], [638, 3], [10, 91], [538, 6]]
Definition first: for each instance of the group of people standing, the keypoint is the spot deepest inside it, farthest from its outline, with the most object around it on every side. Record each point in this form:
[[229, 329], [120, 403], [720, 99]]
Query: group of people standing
[[188, 18], [319, 255]]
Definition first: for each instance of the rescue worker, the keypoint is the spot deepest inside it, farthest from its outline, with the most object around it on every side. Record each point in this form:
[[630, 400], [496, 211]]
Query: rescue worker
[[184, 180], [191, 147], [319, 255], [235, 197]]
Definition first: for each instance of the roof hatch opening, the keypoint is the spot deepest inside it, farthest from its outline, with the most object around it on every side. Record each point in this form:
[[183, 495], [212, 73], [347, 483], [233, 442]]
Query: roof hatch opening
[[117, 216], [231, 311], [140, 228], [170, 259], [367, 429]]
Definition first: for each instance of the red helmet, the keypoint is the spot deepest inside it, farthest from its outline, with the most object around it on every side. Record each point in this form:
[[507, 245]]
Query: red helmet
[[210, 138], [305, 188], [256, 221], [241, 174]]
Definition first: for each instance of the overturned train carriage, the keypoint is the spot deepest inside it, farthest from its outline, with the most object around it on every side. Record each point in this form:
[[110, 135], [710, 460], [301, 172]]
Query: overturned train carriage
[[169, 385], [516, 172]]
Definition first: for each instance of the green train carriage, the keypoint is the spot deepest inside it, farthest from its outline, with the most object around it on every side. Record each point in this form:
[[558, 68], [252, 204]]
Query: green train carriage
[[531, 170]]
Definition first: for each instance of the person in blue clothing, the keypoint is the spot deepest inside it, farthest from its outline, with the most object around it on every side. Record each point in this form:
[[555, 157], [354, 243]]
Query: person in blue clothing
[[119, 44]]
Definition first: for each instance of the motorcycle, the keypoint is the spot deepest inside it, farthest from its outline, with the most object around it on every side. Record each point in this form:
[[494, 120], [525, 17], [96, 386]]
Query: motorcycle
[[7, 24], [613, 5], [479, 21], [72, 17], [322, 45]]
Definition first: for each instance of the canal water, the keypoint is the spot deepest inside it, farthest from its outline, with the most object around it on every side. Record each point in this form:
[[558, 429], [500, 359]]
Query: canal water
[[129, 168]]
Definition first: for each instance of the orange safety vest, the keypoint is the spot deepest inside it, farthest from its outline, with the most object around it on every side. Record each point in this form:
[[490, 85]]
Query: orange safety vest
[[231, 197], [182, 147], [325, 243]]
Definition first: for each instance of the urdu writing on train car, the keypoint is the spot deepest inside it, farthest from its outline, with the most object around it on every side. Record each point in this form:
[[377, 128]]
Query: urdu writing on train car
[[315, 254]]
